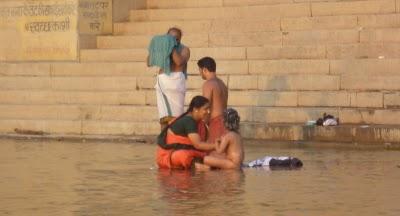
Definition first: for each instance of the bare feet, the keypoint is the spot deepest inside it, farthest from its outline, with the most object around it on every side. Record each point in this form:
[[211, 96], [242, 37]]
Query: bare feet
[[201, 167]]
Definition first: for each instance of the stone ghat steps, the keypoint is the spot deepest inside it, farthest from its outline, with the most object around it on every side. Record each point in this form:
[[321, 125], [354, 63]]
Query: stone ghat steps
[[319, 52], [135, 113], [261, 25], [165, 4], [168, 4], [275, 38], [275, 132], [287, 82], [146, 97], [345, 67], [266, 11]]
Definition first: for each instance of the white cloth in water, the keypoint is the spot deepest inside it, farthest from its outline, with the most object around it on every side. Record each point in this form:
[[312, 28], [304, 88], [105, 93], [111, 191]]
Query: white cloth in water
[[264, 161], [170, 91]]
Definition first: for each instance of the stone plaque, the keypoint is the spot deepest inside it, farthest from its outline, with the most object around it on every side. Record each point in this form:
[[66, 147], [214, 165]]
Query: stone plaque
[[40, 30], [95, 16]]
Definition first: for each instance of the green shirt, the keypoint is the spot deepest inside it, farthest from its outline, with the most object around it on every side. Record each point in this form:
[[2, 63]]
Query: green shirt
[[184, 126]]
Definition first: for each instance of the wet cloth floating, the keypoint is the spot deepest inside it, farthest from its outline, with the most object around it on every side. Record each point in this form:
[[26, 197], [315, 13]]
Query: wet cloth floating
[[271, 161]]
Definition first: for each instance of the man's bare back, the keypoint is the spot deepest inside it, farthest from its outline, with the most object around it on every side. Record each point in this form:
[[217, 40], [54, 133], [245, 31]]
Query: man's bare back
[[217, 92]]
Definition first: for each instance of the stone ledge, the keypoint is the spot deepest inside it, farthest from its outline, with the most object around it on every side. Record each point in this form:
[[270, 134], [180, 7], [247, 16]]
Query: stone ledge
[[368, 135], [385, 134]]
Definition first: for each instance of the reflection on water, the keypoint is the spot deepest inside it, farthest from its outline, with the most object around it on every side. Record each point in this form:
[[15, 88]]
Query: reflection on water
[[57, 178]]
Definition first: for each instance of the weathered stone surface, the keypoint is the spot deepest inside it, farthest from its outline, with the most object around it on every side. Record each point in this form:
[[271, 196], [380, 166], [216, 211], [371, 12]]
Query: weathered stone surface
[[353, 7], [287, 52], [318, 23], [324, 99], [245, 39], [94, 83], [120, 128], [100, 69], [362, 82], [41, 126], [380, 35], [262, 98], [299, 82], [289, 67], [363, 50], [72, 97], [365, 67], [367, 99], [379, 21], [320, 37], [391, 100], [113, 55], [253, 12]]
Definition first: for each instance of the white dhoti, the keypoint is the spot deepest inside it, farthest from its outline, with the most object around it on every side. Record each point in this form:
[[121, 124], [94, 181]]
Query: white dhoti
[[170, 91]]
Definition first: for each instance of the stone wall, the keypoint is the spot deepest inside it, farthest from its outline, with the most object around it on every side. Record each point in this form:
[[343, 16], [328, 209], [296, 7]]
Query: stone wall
[[38, 30], [55, 30]]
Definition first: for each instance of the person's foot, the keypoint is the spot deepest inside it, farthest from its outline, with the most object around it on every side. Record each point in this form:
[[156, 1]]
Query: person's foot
[[201, 167]]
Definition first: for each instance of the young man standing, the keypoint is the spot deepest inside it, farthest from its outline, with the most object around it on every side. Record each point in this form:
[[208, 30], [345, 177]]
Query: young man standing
[[216, 91]]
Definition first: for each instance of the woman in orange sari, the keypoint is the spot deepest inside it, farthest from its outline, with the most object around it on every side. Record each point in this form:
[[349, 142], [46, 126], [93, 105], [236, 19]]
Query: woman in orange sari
[[179, 143]]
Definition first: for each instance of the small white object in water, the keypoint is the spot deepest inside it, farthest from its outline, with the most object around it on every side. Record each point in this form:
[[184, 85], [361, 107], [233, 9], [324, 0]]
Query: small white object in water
[[381, 57], [364, 126]]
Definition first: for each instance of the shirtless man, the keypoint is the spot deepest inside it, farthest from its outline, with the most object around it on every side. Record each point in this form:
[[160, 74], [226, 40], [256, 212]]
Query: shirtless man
[[216, 91], [229, 149], [171, 88]]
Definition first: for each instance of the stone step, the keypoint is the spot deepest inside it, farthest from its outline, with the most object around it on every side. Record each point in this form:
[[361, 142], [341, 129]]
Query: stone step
[[26, 97], [245, 39], [273, 115], [69, 83], [79, 112], [143, 41], [250, 12], [261, 25], [274, 132], [309, 82], [86, 127], [370, 83], [353, 7], [331, 51], [344, 133], [321, 37], [165, 4], [40, 71], [143, 97], [263, 11], [196, 26], [269, 115], [168, 4], [140, 55], [113, 55], [388, 35], [59, 69], [365, 67]]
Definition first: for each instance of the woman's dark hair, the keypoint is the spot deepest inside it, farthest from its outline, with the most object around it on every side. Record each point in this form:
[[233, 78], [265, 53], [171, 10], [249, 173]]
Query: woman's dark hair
[[197, 102], [231, 120], [207, 62]]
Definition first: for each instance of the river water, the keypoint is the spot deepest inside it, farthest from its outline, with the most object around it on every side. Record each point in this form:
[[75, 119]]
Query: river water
[[97, 178]]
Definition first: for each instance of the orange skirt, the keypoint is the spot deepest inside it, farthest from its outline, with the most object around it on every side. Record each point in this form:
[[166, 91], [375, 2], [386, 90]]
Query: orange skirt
[[176, 159]]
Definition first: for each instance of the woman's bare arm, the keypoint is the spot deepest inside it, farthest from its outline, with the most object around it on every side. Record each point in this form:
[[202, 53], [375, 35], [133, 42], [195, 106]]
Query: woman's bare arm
[[198, 144]]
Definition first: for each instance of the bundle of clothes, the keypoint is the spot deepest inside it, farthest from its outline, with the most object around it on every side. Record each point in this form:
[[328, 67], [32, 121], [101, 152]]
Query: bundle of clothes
[[327, 120], [276, 162]]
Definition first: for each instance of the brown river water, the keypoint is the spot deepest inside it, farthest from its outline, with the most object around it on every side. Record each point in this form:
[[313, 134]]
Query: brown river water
[[99, 178]]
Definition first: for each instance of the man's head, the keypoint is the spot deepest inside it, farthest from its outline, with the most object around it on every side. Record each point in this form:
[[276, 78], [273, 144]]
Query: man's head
[[206, 65], [176, 32]]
